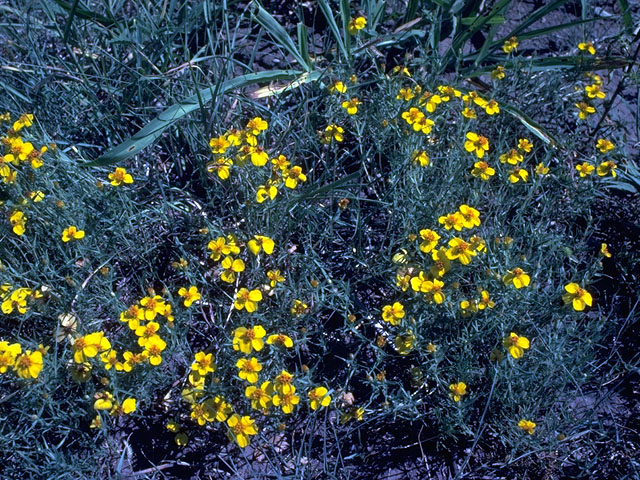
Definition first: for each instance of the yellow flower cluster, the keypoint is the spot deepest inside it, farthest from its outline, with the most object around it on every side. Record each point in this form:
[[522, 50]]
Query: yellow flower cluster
[[239, 147], [17, 150], [17, 300], [27, 364]]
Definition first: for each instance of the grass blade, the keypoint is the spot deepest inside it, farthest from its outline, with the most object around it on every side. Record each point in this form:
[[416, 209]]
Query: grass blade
[[147, 135], [279, 35], [333, 26]]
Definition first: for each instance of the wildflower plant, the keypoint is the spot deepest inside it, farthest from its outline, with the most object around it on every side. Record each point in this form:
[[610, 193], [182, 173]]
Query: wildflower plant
[[286, 262]]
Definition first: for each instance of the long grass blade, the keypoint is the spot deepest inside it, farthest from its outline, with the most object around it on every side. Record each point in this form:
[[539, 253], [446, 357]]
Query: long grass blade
[[279, 35], [147, 135], [333, 26]]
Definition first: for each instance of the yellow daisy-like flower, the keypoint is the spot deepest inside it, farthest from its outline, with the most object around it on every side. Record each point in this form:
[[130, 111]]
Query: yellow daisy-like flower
[[280, 339], [286, 398], [28, 364], [516, 277], [190, 295], [603, 145], [584, 110], [247, 299], [516, 345], [527, 426], [337, 86], [356, 24], [457, 391], [248, 369], [120, 176], [607, 168], [351, 106], [241, 429], [585, 169], [587, 47], [393, 313], [319, 398], [577, 296], [476, 144], [257, 125], [482, 170], [203, 363], [429, 240], [261, 242], [510, 45], [248, 339]]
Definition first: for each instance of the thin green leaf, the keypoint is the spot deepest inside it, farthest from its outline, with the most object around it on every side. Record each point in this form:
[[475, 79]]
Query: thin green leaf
[[626, 16], [279, 35], [333, 26], [303, 42], [531, 125], [147, 135], [497, 20]]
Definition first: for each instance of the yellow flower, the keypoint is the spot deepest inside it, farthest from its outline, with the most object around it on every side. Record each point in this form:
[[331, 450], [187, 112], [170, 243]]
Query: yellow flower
[[18, 221], [220, 410], [129, 405], [203, 363], [319, 398], [280, 339], [542, 169], [248, 300], [351, 106], [274, 277], [293, 176], [420, 158], [219, 144], [248, 369], [257, 125], [468, 112], [286, 398], [72, 233], [241, 428], [261, 397], [607, 168], [518, 174], [405, 94], [485, 301], [154, 347], [103, 401], [36, 196], [8, 355], [604, 250], [283, 379], [110, 359], [482, 170], [603, 145], [221, 166], [401, 70], [266, 191], [223, 246], [145, 332], [594, 91], [517, 277], [510, 45], [527, 426], [333, 132], [429, 240], [460, 250], [230, 268], [585, 169], [577, 296], [516, 345], [587, 47], [120, 176], [337, 86], [299, 308], [512, 157], [498, 73], [190, 296], [260, 242], [584, 110], [452, 220], [412, 116], [280, 163], [525, 145], [393, 313], [492, 107], [430, 101], [441, 262], [28, 364], [246, 339], [470, 215], [458, 390], [356, 24], [89, 346], [476, 143], [424, 125], [201, 414]]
